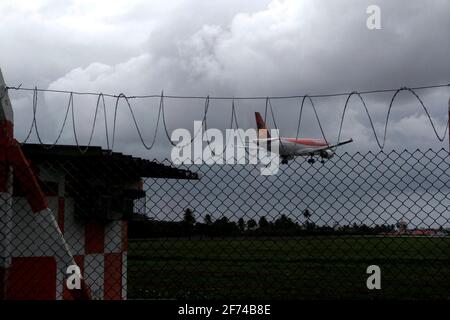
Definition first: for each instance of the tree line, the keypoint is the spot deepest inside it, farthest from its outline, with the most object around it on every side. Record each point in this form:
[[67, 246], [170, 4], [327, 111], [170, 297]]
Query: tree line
[[141, 226]]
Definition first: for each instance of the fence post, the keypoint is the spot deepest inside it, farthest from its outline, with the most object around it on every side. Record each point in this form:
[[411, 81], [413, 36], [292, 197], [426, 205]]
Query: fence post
[[6, 136]]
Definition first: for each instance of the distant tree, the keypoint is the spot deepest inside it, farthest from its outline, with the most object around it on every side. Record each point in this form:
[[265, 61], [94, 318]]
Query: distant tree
[[310, 226], [284, 225], [263, 223], [284, 222], [241, 225], [251, 224], [189, 217], [224, 227], [307, 214], [208, 220]]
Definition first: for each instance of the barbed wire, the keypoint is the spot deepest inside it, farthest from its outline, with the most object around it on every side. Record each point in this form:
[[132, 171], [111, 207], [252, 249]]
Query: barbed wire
[[315, 113], [141, 138], [20, 88], [383, 143], [234, 118]]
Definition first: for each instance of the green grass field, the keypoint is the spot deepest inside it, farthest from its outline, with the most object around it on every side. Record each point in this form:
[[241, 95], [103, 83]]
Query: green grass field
[[288, 268]]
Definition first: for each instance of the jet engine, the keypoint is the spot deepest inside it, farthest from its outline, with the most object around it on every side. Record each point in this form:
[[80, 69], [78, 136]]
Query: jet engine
[[327, 154]]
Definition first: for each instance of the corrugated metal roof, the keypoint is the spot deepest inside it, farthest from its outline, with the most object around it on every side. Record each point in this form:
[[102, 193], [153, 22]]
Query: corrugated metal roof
[[96, 158]]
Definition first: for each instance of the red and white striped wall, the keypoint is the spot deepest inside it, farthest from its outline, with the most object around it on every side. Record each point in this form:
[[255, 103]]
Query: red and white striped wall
[[35, 246], [100, 250]]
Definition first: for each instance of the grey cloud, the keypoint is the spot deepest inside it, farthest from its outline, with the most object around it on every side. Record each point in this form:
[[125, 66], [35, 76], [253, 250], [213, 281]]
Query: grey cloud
[[234, 48]]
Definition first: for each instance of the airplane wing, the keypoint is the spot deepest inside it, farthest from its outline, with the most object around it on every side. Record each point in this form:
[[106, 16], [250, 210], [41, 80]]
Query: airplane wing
[[269, 139], [331, 146]]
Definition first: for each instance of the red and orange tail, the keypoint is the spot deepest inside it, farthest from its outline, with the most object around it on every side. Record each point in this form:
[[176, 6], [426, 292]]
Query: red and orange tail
[[263, 133]]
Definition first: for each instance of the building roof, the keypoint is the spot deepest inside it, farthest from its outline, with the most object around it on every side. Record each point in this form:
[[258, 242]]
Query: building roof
[[95, 158]]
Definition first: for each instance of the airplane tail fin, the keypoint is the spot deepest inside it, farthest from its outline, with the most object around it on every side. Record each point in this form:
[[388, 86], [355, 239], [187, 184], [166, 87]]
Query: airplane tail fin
[[263, 133]]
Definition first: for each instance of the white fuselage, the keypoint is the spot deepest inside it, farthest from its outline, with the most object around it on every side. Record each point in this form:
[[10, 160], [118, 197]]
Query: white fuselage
[[292, 147]]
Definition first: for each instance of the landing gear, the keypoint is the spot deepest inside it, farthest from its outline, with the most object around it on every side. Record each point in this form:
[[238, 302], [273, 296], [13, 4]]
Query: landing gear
[[311, 160], [284, 161]]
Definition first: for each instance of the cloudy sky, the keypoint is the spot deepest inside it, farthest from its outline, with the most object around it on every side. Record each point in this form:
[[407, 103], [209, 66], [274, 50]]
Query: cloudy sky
[[227, 48]]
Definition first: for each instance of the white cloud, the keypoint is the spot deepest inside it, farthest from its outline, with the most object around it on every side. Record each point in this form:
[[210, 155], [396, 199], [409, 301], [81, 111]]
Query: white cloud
[[231, 48]]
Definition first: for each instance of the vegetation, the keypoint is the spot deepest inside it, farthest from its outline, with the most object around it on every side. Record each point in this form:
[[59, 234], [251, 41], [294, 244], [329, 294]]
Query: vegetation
[[143, 227], [206, 258], [288, 268]]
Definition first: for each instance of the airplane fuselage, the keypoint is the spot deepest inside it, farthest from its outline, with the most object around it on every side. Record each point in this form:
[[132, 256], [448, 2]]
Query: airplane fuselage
[[289, 148], [296, 147]]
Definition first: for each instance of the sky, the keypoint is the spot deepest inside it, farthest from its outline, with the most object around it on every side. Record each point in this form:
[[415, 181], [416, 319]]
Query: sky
[[362, 188], [227, 48], [230, 48]]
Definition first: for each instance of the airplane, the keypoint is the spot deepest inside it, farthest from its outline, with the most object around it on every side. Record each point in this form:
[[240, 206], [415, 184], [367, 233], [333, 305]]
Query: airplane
[[290, 148]]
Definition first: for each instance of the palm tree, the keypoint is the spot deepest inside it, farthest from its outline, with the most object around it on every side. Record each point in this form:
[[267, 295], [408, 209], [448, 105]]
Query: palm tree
[[189, 217], [307, 214]]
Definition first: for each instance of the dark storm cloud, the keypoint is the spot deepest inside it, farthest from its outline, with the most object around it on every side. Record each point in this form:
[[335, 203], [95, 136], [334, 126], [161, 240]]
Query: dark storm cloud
[[246, 48], [231, 48]]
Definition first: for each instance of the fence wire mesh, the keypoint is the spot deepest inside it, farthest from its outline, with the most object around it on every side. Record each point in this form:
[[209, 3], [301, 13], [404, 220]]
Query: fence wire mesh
[[144, 230]]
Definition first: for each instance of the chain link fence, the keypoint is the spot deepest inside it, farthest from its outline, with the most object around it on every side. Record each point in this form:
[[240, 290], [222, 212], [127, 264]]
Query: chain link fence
[[138, 229]]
